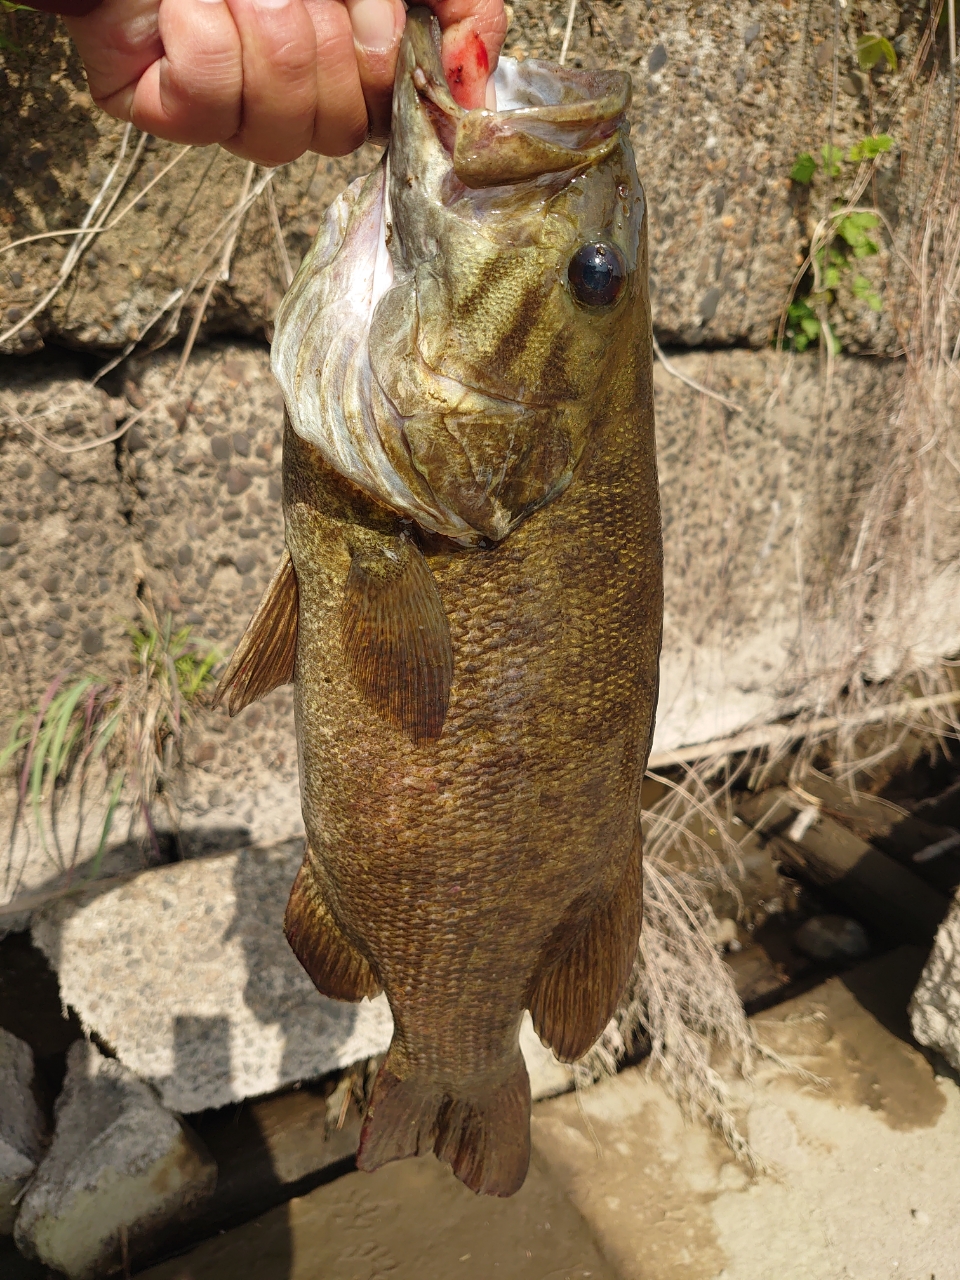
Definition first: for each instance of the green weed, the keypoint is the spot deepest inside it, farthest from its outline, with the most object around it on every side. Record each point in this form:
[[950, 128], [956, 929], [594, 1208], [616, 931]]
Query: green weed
[[130, 727], [846, 235]]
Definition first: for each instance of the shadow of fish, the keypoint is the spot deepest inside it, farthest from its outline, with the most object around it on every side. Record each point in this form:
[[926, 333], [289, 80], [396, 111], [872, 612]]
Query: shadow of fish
[[470, 603]]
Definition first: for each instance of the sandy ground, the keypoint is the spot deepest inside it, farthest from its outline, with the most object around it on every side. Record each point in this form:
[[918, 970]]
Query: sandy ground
[[862, 1178]]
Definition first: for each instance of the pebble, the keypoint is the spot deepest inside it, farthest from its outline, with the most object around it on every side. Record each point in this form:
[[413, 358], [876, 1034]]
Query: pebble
[[221, 447], [241, 444], [91, 640], [751, 33], [237, 481], [231, 511], [246, 562], [24, 471], [185, 554], [657, 58], [9, 533], [709, 303], [831, 938], [137, 440]]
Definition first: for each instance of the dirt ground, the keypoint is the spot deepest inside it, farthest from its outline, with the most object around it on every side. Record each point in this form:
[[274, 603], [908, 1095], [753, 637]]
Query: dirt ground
[[861, 1177]]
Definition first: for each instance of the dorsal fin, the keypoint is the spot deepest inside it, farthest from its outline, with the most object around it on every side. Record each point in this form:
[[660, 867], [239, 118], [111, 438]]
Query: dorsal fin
[[395, 635], [265, 656]]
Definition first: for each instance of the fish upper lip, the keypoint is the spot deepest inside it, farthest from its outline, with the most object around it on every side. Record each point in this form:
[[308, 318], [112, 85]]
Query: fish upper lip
[[495, 148]]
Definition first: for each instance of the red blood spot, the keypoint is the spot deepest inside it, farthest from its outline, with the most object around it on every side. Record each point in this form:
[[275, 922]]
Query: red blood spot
[[467, 68]]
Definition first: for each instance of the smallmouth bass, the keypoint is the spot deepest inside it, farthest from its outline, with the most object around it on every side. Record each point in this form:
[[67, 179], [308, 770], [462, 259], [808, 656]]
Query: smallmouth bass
[[470, 602]]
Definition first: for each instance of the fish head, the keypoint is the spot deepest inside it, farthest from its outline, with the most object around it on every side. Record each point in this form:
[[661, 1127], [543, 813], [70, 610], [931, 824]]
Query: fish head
[[505, 314], [519, 229]]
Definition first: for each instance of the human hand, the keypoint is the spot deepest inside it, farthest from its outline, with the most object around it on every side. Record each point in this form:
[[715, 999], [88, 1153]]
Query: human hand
[[268, 79]]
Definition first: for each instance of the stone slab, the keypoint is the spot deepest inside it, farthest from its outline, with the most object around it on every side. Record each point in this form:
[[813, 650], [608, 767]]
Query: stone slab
[[21, 1125], [119, 1170], [935, 1004], [185, 973]]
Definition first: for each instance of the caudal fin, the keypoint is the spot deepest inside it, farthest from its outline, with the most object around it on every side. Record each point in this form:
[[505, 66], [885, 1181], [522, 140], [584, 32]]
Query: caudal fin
[[484, 1134]]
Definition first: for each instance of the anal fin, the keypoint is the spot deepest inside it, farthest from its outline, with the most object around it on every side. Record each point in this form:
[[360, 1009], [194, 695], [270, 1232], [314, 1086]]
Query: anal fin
[[395, 635], [267, 651], [335, 966], [577, 996]]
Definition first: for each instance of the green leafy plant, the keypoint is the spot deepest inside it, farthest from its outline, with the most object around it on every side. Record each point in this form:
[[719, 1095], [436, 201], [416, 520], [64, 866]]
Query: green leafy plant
[[129, 726], [846, 235], [6, 42], [803, 326], [870, 147], [871, 47], [804, 168]]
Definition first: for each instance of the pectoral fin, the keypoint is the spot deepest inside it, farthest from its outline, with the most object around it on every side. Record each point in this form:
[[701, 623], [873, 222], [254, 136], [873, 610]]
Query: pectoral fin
[[265, 656], [395, 635]]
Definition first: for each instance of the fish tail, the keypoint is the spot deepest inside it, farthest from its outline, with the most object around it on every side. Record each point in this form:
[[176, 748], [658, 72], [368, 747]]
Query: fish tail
[[484, 1135]]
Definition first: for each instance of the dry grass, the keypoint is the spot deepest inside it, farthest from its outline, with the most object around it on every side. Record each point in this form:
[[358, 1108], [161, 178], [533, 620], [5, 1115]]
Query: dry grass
[[117, 737], [681, 1003]]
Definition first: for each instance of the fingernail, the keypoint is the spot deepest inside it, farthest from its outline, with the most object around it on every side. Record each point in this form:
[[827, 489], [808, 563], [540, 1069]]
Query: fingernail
[[374, 23], [271, 4]]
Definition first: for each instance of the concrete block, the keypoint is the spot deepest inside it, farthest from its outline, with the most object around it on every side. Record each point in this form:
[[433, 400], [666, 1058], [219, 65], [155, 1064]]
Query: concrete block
[[186, 973], [935, 1005], [120, 1169], [21, 1125]]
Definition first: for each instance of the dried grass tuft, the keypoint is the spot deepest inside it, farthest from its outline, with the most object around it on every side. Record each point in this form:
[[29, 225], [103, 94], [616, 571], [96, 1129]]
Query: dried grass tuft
[[681, 1005], [120, 736]]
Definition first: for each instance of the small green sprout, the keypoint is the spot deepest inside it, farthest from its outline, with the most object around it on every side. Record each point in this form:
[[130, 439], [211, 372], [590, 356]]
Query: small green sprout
[[871, 47], [804, 167], [853, 227], [871, 147]]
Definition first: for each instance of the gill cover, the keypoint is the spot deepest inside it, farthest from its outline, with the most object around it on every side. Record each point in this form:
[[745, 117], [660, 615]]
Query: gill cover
[[431, 346]]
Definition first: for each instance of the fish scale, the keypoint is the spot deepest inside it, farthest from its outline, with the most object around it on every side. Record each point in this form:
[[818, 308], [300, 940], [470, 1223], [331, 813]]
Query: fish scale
[[480, 855]]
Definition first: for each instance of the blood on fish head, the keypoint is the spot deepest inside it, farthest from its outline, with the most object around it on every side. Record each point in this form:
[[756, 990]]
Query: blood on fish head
[[467, 69]]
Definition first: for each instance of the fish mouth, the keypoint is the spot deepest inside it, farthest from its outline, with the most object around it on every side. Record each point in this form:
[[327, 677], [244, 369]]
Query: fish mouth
[[549, 119]]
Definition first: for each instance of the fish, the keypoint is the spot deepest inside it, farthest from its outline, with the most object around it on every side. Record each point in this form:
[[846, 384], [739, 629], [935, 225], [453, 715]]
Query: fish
[[470, 600]]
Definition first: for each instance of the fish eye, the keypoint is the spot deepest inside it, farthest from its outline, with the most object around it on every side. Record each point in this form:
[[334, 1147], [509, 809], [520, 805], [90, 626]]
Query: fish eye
[[597, 273]]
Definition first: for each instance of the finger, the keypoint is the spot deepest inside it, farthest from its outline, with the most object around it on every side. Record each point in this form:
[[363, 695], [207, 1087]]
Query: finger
[[377, 28], [117, 42], [279, 80], [473, 35], [341, 121], [193, 92]]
